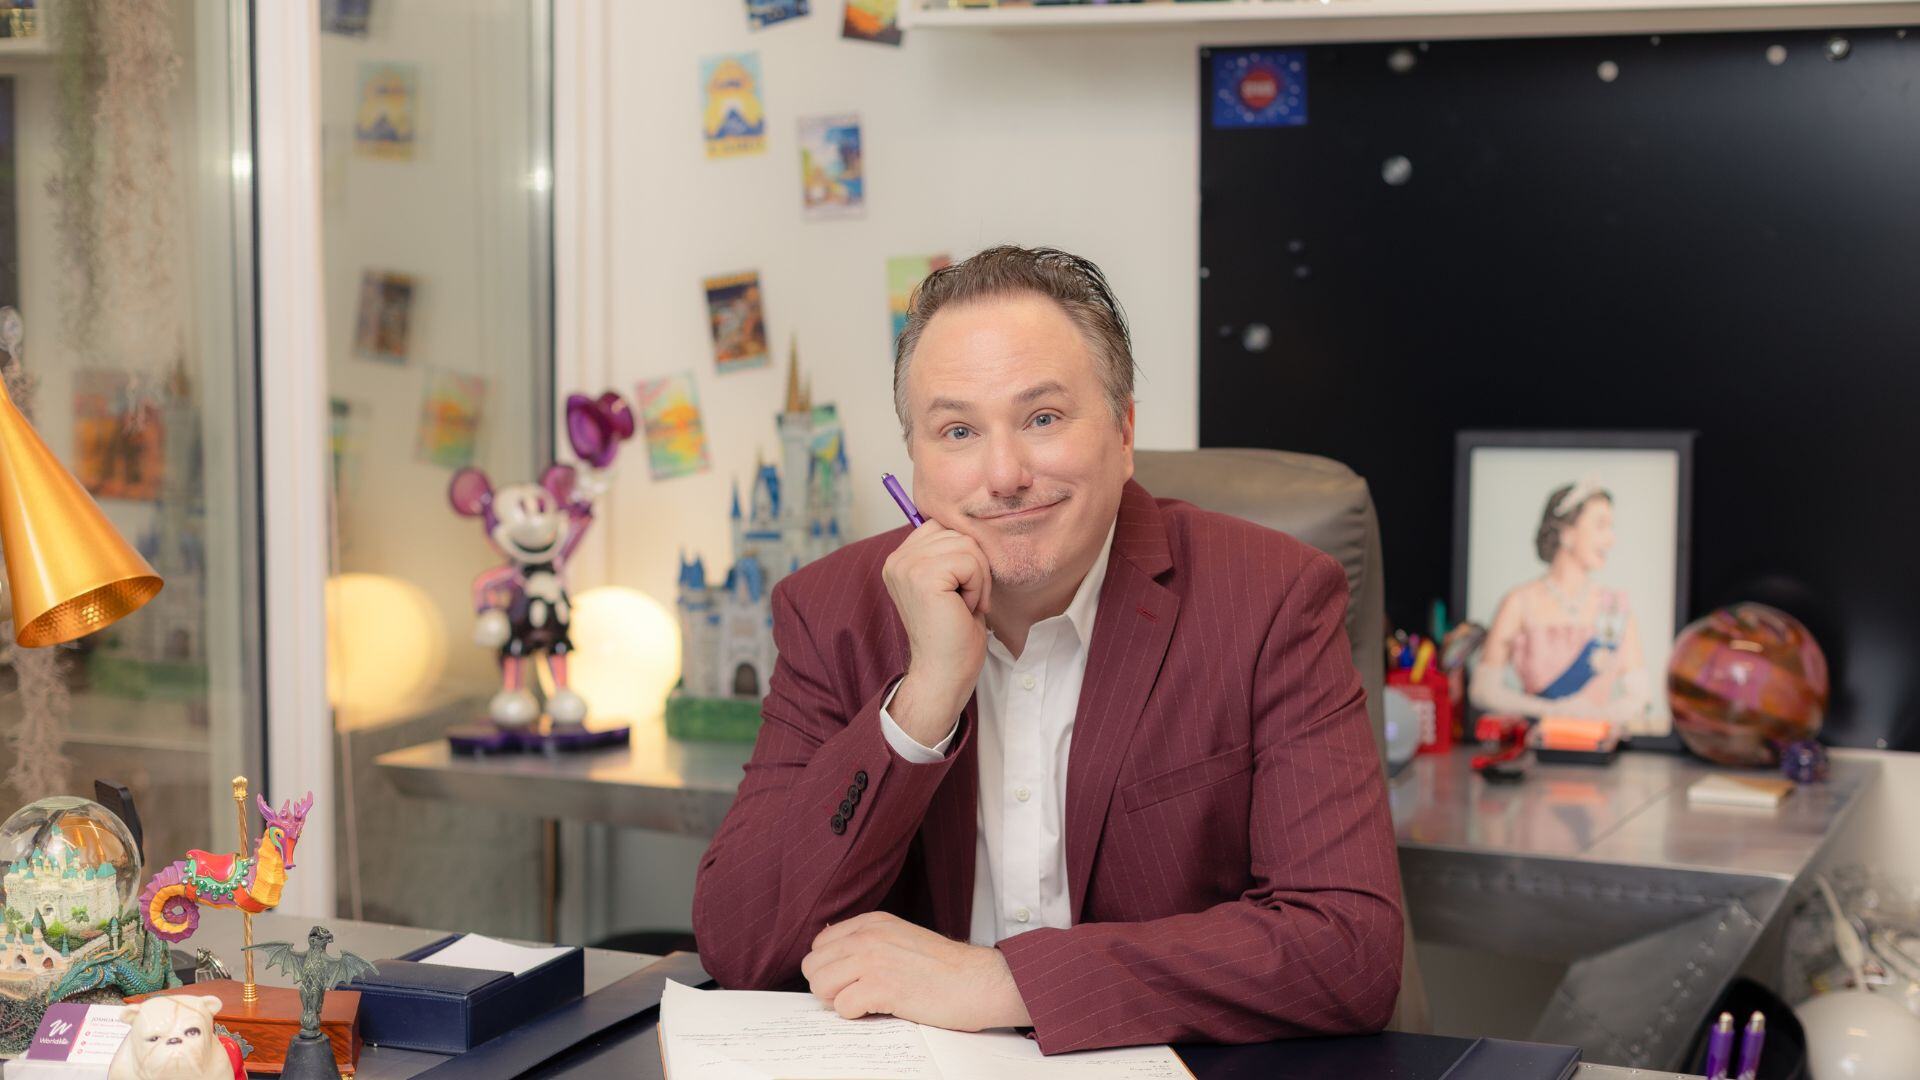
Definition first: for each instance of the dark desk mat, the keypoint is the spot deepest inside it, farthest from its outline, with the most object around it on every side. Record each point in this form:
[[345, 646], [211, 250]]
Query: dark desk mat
[[612, 1033]]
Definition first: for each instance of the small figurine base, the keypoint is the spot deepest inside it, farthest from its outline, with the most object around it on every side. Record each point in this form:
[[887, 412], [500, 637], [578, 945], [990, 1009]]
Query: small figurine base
[[541, 737], [271, 1023], [310, 1059], [705, 719]]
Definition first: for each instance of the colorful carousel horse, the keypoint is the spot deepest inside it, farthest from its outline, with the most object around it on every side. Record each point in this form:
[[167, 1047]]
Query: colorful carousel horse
[[170, 904]]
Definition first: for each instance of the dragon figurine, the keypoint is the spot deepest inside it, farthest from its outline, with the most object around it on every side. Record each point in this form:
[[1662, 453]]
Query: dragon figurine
[[170, 904]]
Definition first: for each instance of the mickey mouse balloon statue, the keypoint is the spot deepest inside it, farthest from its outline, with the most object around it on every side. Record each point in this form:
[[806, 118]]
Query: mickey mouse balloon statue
[[522, 604]]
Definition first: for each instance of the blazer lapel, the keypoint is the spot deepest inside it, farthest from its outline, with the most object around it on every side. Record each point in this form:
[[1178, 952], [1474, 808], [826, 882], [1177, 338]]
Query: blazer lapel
[[1130, 636]]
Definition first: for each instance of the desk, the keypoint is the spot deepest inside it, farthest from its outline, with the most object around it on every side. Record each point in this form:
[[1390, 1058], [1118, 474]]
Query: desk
[[1652, 903], [220, 931]]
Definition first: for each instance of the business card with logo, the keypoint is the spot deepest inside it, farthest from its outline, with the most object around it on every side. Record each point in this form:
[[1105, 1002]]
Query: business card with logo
[[78, 1034]]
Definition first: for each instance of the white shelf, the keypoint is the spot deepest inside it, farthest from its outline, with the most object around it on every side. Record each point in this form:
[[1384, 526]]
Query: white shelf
[[913, 16]]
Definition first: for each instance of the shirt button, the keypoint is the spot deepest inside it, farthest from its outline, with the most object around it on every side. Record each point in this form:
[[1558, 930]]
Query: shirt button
[[1022, 794], [1021, 915], [1026, 682]]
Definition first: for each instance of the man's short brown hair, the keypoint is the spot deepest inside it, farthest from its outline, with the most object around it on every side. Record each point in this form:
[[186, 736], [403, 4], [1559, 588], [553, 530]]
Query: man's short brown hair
[[1074, 283]]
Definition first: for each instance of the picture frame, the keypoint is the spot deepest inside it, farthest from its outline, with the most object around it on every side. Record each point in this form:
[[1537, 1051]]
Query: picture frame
[[1581, 604]]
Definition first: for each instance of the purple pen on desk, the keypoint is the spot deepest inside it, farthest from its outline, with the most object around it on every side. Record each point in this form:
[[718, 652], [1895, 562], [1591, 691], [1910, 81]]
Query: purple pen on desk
[[1750, 1043], [900, 496], [1720, 1047]]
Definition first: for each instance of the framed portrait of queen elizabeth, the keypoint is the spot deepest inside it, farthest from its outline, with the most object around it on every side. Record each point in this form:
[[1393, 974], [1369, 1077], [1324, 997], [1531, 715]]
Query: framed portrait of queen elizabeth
[[1571, 549]]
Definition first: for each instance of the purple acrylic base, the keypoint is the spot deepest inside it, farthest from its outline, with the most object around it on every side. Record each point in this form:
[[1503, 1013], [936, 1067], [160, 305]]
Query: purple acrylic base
[[542, 737]]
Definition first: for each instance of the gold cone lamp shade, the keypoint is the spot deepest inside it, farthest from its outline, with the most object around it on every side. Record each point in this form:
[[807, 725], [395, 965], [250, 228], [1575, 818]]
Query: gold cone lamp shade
[[70, 570]]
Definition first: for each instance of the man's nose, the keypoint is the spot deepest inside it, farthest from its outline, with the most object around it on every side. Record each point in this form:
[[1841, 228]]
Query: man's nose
[[1007, 472]]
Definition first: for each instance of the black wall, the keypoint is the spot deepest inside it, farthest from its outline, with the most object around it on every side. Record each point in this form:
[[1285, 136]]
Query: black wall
[[1709, 242]]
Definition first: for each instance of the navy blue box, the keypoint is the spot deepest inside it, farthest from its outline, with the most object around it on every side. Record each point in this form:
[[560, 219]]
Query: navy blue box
[[449, 1010]]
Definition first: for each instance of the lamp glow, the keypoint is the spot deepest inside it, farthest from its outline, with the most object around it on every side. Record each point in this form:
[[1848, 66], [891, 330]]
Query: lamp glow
[[626, 653], [386, 648]]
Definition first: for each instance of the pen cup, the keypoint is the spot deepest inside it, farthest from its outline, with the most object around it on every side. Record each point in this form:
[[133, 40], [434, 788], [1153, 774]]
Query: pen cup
[[1431, 701]]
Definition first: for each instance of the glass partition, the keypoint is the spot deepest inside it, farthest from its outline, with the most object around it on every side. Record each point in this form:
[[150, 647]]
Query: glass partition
[[435, 158], [126, 246]]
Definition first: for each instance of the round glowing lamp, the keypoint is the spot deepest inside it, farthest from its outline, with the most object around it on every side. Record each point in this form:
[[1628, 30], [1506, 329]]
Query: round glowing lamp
[[386, 648], [626, 653]]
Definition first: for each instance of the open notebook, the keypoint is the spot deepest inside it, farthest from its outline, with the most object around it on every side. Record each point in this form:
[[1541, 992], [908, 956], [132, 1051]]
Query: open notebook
[[756, 1035]]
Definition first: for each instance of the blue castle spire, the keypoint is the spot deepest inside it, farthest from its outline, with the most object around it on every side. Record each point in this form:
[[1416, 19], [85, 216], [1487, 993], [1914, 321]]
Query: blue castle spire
[[770, 476]]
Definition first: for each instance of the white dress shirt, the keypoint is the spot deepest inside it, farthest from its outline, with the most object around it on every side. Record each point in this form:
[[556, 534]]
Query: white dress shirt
[[1026, 707]]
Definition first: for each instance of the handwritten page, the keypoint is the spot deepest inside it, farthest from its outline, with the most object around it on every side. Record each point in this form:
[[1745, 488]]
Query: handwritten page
[[1007, 1055], [741, 1033], [487, 954], [750, 1035]]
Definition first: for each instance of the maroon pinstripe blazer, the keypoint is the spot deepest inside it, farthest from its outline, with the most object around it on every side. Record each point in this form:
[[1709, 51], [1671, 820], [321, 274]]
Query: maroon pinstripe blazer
[[1230, 857]]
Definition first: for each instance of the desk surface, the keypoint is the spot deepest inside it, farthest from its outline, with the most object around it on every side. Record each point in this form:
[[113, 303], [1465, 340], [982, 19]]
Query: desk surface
[[220, 931], [1633, 812]]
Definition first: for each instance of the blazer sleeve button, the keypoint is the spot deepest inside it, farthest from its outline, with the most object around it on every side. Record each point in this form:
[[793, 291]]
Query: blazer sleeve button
[[860, 779], [853, 794], [838, 824], [846, 808]]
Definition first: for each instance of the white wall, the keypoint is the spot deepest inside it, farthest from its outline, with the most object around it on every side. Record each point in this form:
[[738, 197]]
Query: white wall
[[969, 139]]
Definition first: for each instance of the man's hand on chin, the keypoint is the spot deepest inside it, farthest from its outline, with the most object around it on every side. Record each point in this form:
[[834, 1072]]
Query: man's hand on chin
[[878, 963]]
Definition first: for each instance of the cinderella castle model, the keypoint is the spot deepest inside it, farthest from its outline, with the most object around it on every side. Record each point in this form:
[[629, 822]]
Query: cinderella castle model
[[793, 515]]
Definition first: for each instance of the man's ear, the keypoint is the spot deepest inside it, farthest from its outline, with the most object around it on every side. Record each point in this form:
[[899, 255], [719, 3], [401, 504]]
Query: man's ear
[[1126, 438]]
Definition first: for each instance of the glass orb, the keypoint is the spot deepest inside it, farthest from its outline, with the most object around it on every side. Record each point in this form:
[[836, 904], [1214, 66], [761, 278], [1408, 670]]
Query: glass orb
[[71, 863], [1745, 681]]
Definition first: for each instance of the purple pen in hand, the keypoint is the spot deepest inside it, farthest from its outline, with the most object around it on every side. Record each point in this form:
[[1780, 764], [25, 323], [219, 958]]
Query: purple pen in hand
[[900, 497]]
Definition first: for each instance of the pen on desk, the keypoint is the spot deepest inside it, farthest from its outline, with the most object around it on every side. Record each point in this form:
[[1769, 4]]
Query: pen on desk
[[900, 498], [1421, 660], [1720, 1047], [1750, 1043]]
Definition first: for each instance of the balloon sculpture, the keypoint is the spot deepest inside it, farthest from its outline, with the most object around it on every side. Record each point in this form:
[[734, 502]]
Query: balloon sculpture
[[522, 604]]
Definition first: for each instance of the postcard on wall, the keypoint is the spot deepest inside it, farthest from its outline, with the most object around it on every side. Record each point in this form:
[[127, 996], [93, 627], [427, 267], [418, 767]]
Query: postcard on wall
[[735, 116], [348, 18], [119, 436], [831, 170], [738, 323], [384, 125], [872, 20], [764, 13], [345, 434], [676, 437], [383, 325], [450, 419], [904, 274]]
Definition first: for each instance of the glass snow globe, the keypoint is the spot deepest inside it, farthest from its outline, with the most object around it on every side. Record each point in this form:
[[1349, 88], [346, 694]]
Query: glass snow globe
[[71, 871]]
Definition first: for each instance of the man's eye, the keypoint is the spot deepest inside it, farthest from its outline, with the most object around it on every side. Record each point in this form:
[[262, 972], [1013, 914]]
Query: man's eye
[[192, 1031], [958, 432], [1046, 419]]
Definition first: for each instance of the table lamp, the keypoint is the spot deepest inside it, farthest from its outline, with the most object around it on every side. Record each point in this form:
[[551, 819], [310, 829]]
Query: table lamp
[[71, 572]]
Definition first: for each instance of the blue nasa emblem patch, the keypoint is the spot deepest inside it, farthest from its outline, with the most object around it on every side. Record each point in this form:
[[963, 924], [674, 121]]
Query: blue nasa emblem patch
[[1259, 88]]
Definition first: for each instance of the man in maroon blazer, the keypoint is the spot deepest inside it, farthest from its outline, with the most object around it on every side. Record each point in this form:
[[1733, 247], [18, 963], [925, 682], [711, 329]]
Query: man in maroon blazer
[[1066, 755]]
